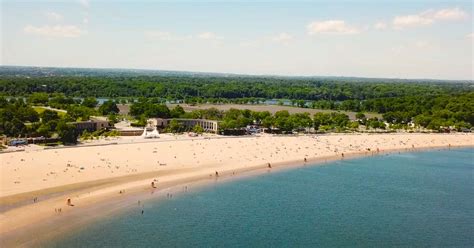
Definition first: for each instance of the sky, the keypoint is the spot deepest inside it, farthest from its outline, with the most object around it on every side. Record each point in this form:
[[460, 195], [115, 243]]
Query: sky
[[369, 38]]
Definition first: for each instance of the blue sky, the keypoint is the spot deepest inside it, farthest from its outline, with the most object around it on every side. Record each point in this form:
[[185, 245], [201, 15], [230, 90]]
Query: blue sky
[[402, 39]]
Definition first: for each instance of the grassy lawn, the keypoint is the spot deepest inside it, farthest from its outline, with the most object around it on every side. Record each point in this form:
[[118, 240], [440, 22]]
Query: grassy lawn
[[40, 110]]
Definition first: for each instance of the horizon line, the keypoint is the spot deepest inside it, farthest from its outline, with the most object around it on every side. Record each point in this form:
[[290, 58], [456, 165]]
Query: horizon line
[[239, 74]]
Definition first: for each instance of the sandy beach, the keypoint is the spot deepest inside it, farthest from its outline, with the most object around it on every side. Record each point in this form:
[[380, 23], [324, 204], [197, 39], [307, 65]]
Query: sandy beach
[[36, 183]]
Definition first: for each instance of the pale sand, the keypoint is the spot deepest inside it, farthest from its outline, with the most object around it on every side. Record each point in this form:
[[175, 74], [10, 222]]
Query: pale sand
[[96, 174]]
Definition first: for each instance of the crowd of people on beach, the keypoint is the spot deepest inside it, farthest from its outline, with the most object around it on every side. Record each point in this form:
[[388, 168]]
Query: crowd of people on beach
[[267, 153]]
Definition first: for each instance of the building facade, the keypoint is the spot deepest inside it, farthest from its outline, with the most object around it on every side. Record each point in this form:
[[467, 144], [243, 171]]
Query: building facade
[[210, 126], [91, 125]]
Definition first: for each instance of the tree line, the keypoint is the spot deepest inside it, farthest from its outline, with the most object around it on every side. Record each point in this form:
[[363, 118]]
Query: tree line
[[188, 87], [431, 105]]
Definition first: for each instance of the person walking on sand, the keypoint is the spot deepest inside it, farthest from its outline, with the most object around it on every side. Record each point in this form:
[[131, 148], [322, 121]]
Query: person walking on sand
[[153, 184], [342, 155], [269, 165], [217, 174], [305, 160], [69, 202]]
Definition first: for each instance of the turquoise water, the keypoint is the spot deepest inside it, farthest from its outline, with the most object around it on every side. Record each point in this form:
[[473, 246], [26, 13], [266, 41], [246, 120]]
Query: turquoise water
[[410, 199]]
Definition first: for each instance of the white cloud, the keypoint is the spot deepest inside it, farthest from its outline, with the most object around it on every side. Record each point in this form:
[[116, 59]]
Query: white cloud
[[453, 14], [283, 38], [470, 36], [84, 3], [209, 36], [410, 21], [331, 27], [380, 25], [65, 31], [85, 20], [428, 17], [54, 16]]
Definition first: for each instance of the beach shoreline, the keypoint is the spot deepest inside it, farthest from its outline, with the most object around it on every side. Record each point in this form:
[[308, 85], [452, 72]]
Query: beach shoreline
[[23, 221]]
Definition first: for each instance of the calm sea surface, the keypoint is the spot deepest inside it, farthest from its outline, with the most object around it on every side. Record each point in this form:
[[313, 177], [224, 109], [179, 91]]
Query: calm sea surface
[[409, 199]]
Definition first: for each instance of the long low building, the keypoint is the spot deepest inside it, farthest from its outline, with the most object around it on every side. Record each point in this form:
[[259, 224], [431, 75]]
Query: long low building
[[208, 125], [91, 125]]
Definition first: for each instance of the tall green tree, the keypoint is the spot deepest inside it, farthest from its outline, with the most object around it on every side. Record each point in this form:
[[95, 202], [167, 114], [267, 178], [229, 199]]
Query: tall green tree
[[38, 98], [67, 132], [49, 115], [89, 102], [175, 126], [108, 107]]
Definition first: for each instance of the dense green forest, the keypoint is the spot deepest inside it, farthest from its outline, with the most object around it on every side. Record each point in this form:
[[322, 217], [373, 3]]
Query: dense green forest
[[428, 104], [174, 87]]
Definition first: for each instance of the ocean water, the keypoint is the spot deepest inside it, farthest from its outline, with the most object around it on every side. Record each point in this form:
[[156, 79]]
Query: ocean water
[[420, 199]]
